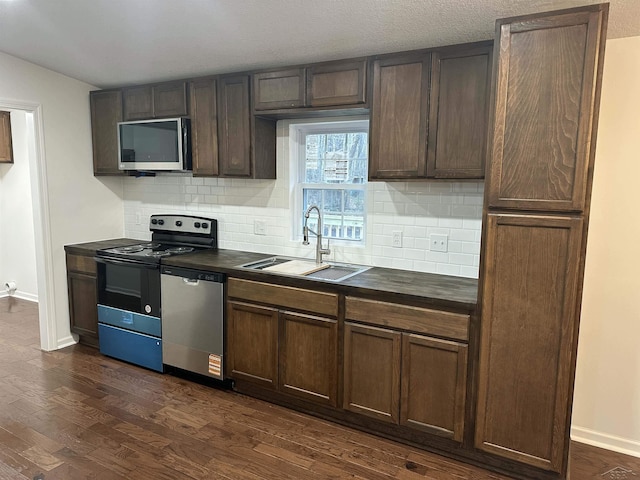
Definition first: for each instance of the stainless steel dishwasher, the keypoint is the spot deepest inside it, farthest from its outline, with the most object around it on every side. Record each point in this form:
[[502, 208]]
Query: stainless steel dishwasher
[[193, 320]]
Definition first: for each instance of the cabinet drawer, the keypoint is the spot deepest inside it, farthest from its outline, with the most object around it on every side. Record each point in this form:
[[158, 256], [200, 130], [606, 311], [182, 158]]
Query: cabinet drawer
[[416, 319], [81, 263], [289, 297]]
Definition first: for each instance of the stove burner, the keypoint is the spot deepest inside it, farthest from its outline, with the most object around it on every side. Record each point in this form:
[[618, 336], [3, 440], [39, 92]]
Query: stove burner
[[161, 253], [150, 245], [130, 249], [180, 249]]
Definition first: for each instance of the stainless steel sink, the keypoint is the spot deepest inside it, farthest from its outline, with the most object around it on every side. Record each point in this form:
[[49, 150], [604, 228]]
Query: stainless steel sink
[[335, 272], [265, 262]]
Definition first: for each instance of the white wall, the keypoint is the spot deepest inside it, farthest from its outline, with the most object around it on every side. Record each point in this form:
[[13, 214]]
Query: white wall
[[17, 238], [417, 209], [607, 395], [81, 207]]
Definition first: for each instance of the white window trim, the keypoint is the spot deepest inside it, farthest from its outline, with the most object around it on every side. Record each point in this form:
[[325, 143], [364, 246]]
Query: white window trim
[[297, 132]]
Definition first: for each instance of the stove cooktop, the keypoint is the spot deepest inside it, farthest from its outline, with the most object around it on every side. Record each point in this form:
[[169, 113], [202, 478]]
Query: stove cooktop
[[171, 235], [150, 250]]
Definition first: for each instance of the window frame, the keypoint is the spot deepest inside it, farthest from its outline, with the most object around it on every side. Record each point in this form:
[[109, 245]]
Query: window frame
[[297, 133]]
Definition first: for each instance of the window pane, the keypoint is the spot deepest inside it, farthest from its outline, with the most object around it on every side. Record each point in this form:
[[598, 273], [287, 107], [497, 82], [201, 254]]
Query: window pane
[[333, 201], [336, 157], [354, 201], [312, 197]]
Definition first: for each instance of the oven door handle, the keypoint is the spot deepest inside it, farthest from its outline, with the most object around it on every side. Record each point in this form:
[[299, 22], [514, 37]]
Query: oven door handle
[[125, 263]]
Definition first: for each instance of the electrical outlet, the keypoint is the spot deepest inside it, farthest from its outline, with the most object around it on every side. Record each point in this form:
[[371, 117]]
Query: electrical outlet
[[439, 242], [260, 227], [396, 239], [138, 218]]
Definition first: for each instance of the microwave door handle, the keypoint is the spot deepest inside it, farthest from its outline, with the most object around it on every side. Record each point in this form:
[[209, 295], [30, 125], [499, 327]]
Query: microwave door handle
[[125, 263]]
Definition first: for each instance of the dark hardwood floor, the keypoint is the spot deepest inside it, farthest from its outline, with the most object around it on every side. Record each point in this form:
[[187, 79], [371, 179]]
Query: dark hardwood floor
[[75, 414]]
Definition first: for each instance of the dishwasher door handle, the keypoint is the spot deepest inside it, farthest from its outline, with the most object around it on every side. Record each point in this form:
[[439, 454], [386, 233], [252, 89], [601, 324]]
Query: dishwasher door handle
[[191, 281]]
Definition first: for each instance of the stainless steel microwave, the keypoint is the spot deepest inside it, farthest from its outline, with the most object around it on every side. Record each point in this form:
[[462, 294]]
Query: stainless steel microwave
[[162, 144]]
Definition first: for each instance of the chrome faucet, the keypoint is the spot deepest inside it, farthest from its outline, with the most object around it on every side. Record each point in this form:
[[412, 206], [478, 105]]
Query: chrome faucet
[[305, 234]]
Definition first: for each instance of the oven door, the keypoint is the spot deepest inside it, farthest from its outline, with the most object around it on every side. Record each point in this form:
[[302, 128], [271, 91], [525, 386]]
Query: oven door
[[129, 285]]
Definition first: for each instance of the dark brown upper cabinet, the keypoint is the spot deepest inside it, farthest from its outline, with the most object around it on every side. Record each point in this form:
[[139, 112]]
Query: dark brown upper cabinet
[[337, 83], [155, 101], [311, 89], [247, 144], [106, 112], [458, 112], [545, 101], [204, 127], [281, 89], [6, 144], [398, 125]]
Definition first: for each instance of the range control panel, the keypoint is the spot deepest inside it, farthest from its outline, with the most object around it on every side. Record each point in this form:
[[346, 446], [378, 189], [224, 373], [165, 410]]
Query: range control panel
[[182, 224]]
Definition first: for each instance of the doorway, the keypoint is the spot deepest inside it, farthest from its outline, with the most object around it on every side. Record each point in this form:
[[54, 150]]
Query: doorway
[[41, 231]]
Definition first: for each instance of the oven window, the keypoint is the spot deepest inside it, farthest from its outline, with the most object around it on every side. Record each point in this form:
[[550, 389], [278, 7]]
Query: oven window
[[123, 280]]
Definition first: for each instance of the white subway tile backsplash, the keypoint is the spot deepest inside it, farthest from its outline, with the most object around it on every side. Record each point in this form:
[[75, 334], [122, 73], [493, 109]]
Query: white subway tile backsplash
[[417, 209]]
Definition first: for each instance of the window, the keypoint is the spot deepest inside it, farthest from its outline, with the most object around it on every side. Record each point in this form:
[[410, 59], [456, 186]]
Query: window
[[331, 160]]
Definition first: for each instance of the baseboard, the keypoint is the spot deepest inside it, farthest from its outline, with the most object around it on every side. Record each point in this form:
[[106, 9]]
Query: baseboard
[[65, 342], [29, 297], [606, 441]]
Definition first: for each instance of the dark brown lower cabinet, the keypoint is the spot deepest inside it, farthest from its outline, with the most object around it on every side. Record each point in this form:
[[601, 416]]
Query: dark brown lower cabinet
[[308, 357], [83, 298], [406, 379], [528, 336], [288, 352], [372, 371], [252, 336], [434, 384]]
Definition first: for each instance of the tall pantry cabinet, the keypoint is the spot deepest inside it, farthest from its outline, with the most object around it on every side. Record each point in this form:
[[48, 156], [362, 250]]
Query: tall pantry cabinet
[[538, 185]]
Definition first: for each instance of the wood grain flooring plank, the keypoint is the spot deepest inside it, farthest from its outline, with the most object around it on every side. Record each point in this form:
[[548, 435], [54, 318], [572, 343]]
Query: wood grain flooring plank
[[9, 473]]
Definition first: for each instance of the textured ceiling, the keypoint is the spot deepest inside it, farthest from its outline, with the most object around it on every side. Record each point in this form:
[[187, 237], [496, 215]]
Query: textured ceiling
[[119, 42]]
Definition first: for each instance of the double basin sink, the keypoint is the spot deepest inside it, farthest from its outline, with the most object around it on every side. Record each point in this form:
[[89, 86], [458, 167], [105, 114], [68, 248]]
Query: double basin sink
[[334, 272]]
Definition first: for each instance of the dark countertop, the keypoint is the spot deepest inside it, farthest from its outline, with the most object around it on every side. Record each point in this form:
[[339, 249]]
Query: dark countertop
[[402, 286]]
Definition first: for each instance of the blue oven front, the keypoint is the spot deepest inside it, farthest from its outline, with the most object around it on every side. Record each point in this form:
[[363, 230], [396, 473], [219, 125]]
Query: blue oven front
[[129, 326], [131, 337]]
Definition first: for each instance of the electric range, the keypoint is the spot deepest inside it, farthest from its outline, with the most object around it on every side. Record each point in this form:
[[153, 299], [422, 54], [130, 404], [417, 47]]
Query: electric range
[[129, 286]]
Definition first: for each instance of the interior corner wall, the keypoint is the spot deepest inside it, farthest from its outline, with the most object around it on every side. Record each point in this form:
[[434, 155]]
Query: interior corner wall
[[80, 207], [17, 238], [606, 408]]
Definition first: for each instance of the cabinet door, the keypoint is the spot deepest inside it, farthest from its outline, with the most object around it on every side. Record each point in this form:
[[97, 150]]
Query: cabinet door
[[546, 96], [106, 112], [337, 83], [170, 100], [399, 118], [204, 127], [6, 146], [233, 126], [252, 344], [138, 103], [283, 89], [83, 306], [308, 357], [459, 109], [372, 371], [528, 334], [434, 374]]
